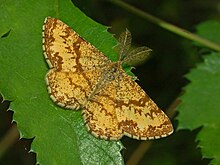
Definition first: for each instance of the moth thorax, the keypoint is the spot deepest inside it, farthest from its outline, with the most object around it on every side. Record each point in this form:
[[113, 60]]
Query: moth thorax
[[110, 73]]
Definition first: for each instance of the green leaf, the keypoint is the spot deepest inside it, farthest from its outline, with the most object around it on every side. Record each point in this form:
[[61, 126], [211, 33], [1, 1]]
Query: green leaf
[[201, 100], [59, 135], [209, 30]]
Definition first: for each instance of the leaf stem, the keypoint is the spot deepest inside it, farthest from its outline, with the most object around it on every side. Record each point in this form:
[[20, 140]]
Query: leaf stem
[[8, 140], [172, 28]]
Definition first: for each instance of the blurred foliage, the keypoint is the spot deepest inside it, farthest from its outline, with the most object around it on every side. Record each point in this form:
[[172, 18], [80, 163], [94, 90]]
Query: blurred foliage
[[200, 102], [200, 105], [161, 76]]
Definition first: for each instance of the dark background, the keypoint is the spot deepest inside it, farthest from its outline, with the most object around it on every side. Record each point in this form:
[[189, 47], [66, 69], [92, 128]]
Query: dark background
[[162, 76]]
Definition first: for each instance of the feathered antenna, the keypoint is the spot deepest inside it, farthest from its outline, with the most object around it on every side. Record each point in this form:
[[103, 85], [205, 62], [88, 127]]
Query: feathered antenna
[[124, 44], [137, 56], [134, 57]]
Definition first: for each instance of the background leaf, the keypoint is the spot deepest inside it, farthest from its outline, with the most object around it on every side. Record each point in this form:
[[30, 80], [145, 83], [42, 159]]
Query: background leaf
[[59, 135], [200, 102]]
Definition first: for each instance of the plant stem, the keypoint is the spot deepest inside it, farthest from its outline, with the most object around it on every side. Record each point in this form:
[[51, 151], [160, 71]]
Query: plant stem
[[172, 28], [8, 140]]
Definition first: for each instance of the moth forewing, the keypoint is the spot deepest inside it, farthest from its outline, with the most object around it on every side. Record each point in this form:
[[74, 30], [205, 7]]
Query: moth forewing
[[137, 56]]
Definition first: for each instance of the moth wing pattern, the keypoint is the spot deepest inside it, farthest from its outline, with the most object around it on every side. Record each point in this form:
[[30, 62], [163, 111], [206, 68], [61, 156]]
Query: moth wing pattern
[[75, 64]]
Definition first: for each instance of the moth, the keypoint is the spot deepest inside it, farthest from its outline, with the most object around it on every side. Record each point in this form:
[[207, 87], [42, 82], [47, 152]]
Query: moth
[[82, 78]]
